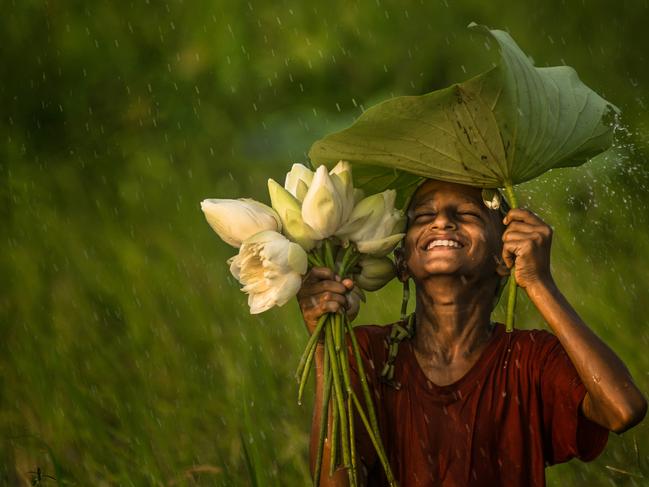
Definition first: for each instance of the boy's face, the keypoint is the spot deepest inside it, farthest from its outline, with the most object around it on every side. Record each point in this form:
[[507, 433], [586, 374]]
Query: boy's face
[[451, 231]]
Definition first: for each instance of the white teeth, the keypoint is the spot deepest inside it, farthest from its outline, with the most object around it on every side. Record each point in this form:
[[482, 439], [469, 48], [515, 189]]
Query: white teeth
[[444, 243]]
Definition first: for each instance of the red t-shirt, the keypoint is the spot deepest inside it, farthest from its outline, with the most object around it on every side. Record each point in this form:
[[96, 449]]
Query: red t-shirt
[[514, 412]]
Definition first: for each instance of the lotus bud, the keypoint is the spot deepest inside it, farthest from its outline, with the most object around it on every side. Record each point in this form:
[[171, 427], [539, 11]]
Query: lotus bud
[[290, 214], [375, 273], [270, 267], [380, 247], [237, 220], [298, 180], [491, 198], [375, 225], [323, 207]]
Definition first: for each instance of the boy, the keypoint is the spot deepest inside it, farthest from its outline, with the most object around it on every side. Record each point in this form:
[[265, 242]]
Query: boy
[[470, 404]]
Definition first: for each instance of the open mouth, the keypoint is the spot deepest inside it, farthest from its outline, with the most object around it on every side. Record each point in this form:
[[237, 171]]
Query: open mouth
[[444, 244]]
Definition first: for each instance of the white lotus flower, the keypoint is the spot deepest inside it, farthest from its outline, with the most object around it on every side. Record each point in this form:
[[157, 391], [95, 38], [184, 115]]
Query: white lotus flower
[[341, 176], [290, 214], [375, 273], [298, 180], [375, 225], [323, 207], [236, 220], [270, 267]]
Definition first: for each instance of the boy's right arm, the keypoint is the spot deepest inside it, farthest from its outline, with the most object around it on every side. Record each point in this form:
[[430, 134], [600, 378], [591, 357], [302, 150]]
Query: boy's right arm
[[323, 292]]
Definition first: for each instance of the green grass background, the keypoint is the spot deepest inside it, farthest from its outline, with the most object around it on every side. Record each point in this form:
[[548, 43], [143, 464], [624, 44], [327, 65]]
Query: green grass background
[[127, 355]]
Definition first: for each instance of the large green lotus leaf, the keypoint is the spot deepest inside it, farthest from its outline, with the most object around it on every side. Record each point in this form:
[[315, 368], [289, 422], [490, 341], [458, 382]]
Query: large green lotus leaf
[[503, 127]]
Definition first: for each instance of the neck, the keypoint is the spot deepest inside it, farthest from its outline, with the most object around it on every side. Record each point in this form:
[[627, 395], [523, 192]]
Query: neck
[[453, 317]]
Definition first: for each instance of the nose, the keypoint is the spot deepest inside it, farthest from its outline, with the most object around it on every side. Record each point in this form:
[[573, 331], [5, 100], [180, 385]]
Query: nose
[[443, 221]]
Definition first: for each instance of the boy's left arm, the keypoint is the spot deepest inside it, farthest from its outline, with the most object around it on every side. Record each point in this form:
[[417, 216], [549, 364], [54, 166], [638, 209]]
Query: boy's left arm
[[612, 399]]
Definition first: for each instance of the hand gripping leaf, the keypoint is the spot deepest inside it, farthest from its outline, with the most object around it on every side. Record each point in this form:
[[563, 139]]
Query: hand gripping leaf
[[498, 129]]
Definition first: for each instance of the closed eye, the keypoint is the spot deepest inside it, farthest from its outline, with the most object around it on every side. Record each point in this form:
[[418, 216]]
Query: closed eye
[[470, 214], [423, 216]]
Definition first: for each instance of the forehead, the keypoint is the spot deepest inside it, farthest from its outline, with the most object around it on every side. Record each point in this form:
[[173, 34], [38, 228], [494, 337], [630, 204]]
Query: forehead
[[434, 191]]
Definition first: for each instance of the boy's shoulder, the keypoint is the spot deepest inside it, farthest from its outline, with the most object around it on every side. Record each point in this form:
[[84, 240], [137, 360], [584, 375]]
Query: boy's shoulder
[[531, 346], [532, 339]]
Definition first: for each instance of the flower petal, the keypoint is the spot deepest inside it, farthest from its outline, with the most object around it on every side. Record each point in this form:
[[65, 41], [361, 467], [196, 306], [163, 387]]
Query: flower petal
[[322, 206], [381, 247], [236, 220]]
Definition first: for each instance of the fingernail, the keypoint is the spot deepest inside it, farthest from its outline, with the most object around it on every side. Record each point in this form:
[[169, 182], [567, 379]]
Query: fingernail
[[337, 277]]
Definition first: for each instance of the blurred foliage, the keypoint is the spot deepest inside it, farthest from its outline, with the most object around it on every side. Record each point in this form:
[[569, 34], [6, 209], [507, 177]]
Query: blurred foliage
[[127, 355]]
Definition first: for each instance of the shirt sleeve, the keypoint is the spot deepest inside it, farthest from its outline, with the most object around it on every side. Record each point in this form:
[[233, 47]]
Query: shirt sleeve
[[567, 432], [364, 446]]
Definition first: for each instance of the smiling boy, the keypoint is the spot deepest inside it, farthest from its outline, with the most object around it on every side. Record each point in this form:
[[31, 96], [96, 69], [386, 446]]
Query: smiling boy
[[470, 404]]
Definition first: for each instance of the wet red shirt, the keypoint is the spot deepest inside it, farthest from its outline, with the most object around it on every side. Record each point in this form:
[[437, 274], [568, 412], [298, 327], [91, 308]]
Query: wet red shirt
[[514, 412]]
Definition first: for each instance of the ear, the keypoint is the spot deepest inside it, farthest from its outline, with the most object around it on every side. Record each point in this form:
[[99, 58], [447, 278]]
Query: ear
[[400, 263]]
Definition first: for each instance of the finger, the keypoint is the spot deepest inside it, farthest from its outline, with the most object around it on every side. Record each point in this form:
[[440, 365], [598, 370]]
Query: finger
[[544, 230], [348, 283], [318, 300], [522, 236], [519, 226], [330, 307], [318, 274], [332, 297], [310, 289], [523, 215]]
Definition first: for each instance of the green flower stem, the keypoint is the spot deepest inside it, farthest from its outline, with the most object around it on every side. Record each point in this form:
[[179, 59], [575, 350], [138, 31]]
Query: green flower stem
[[352, 262], [344, 264], [324, 417], [329, 344], [363, 379], [344, 363], [511, 293], [337, 325], [334, 434], [306, 361], [352, 439], [314, 260], [320, 253], [377, 445], [329, 255]]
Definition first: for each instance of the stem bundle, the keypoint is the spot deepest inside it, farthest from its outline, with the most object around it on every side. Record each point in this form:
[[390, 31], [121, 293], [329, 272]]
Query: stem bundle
[[338, 394]]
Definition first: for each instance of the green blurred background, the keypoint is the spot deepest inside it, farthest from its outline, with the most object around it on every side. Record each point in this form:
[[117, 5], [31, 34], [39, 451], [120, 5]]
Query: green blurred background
[[127, 355]]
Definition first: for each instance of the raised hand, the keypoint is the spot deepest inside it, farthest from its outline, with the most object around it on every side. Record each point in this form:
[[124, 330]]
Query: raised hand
[[526, 242]]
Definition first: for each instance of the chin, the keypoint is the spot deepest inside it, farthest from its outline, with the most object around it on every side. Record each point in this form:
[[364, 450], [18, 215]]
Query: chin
[[442, 269]]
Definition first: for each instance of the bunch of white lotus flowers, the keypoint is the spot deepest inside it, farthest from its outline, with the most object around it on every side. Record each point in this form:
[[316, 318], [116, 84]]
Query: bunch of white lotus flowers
[[310, 208], [318, 219]]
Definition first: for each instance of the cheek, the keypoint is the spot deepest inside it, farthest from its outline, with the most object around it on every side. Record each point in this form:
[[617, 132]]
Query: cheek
[[410, 242], [481, 240]]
